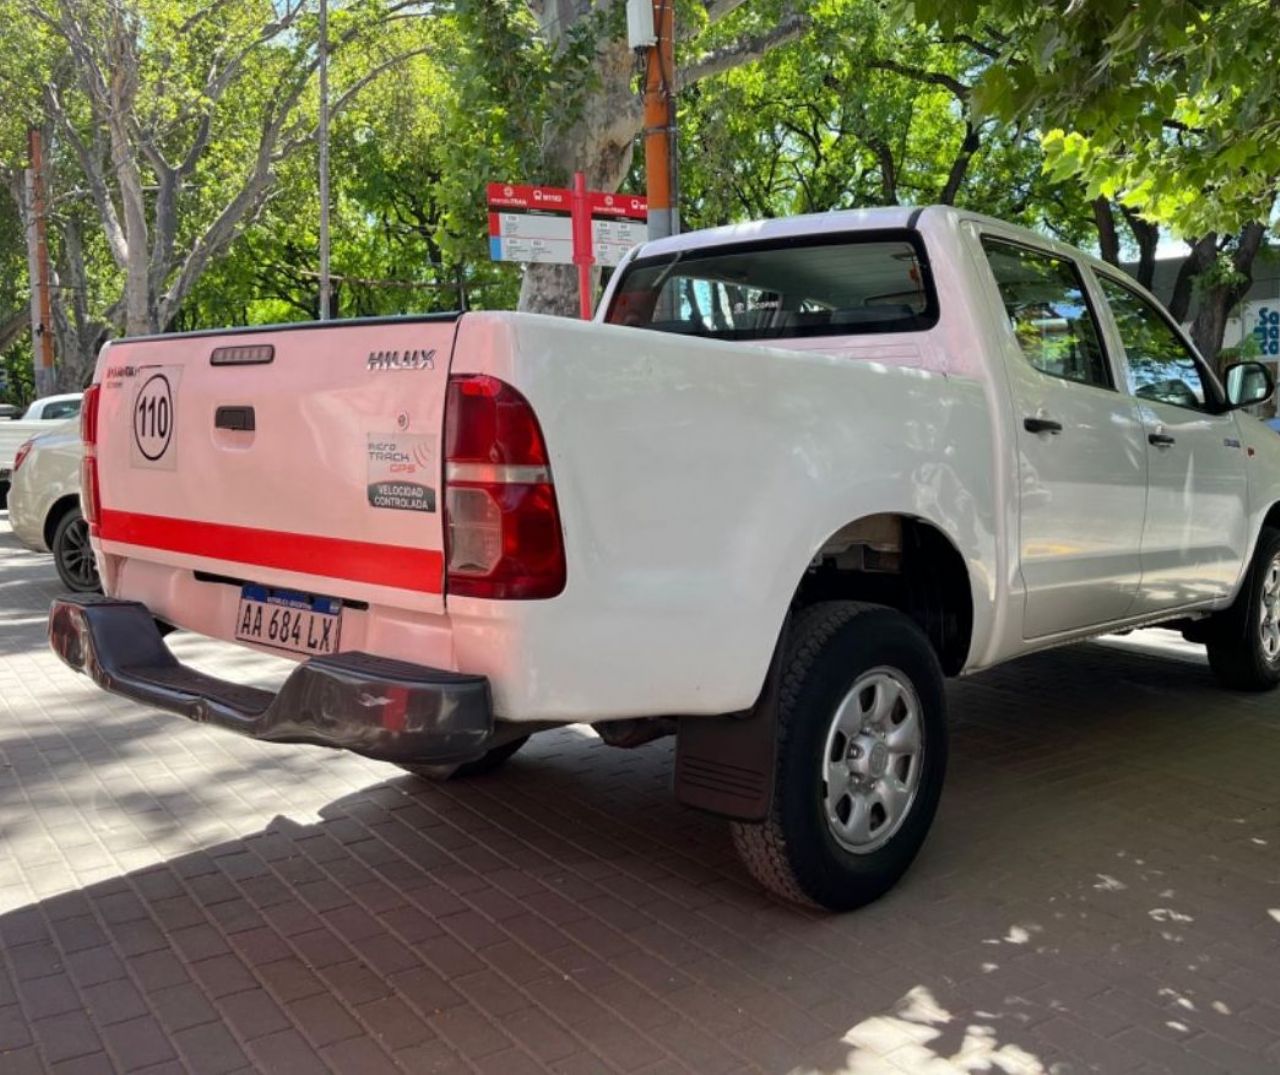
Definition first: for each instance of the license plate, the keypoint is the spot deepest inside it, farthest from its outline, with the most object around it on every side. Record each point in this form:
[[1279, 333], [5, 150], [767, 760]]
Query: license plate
[[282, 619]]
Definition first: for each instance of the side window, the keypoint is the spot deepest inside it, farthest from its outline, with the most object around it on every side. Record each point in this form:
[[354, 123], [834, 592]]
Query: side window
[[63, 409], [1048, 312], [1161, 366]]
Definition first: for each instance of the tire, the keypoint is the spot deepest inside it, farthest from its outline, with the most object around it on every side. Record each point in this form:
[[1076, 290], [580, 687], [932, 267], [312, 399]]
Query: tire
[[822, 844], [1244, 641], [72, 555], [486, 763]]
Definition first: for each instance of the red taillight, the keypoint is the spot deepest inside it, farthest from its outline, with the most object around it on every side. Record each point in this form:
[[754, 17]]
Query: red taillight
[[502, 524], [90, 499], [89, 496], [24, 450], [89, 416]]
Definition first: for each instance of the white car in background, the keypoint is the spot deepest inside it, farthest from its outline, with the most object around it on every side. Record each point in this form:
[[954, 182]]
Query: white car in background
[[54, 408], [44, 504], [39, 417]]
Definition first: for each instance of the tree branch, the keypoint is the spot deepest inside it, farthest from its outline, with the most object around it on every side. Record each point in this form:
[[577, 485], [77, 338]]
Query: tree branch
[[12, 326], [960, 166], [743, 51], [919, 74], [93, 173], [718, 9]]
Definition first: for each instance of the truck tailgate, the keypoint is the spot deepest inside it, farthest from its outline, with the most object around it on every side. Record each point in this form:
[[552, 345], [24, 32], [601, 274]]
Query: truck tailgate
[[303, 461]]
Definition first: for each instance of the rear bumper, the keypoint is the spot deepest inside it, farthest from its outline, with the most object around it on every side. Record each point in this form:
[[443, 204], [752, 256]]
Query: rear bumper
[[385, 709]]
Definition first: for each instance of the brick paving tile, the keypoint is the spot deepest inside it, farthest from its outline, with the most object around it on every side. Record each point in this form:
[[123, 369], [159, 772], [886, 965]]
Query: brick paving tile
[[210, 1049], [114, 1002], [96, 1064], [359, 1055], [253, 1014], [62, 1037], [432, 1056], [471, 1034], [285, 1053], [138, 1043], [50, 996], [394, 1023], [15, 1031], [323, 1019], [181, 1006], [173, 898]]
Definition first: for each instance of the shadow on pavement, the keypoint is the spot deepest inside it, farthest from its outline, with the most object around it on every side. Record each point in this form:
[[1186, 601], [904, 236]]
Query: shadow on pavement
[[1093, 895]]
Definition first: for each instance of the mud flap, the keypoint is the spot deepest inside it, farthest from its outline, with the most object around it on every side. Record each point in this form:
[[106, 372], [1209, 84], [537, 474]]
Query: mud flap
[[725, 765]]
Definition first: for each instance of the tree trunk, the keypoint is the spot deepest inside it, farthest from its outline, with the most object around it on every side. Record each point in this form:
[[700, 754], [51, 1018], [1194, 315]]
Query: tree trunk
[[600, 144], [1218, 300], [1147, 236], [80, 336], [1108, 237], [1203, 252]]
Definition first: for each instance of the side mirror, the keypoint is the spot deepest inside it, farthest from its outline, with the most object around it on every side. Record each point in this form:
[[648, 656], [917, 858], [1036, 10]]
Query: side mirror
[[1248, 383]]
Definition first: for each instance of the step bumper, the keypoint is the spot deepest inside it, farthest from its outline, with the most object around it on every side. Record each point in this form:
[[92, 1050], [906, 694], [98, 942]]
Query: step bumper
[[385, 709]]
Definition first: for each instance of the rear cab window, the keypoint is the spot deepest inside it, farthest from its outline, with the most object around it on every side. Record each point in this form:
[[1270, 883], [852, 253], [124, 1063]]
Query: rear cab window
[[848, 284]]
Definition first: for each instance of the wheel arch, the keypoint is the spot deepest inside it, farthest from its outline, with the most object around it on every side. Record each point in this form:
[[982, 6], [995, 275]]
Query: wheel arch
[[55, 514], [903, 561]]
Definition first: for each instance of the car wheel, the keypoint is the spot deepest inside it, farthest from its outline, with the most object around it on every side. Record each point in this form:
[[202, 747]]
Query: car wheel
[[73, 556], [1244, 641], [486, 763], [862, 752]]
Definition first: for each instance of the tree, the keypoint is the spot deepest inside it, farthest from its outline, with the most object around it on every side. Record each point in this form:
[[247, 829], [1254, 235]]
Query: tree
[[889, 122], [393, 247], [175, 116], [550, 90], [1164, 106]]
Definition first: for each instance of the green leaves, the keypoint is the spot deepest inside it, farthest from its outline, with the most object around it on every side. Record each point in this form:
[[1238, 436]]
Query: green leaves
[[1173, 101]]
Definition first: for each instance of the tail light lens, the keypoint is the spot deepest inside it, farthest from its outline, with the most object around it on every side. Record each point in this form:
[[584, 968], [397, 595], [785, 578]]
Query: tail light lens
[[89, 416], [90, 501], [502, 523], [24, 450]]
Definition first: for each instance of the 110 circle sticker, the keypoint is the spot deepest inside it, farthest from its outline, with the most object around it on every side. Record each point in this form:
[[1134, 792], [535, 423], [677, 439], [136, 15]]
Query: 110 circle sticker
[[154, 417]]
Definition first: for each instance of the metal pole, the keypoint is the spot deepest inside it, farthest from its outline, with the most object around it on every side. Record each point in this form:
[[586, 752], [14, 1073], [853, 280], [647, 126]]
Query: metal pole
[[583, 255], [660, 125], [41, 304], [324, 160]]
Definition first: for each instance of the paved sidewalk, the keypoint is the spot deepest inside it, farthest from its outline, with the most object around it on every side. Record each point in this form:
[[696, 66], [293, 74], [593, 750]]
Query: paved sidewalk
[[1101, 893]]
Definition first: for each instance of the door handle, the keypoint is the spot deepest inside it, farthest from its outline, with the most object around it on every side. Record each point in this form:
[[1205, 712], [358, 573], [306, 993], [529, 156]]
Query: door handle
[[1161, 440], [1041, 425], [238, 418]]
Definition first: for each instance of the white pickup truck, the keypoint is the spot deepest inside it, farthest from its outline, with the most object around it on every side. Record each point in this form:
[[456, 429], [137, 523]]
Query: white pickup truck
[[793, 475]]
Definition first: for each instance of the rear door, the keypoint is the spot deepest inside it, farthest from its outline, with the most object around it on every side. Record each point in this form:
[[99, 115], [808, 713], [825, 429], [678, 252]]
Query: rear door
[[299, 461], [1196, 533], [1081, 460]]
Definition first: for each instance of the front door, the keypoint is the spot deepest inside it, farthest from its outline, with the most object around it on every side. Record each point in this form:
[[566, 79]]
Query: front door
[[1196, 532], [1081, 456]]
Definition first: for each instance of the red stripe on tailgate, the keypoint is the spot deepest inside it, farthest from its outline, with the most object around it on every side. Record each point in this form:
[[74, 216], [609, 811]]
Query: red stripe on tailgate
[[307, 554]]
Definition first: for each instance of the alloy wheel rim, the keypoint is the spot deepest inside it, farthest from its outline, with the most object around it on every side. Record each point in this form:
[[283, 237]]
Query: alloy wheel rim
[[872, 760], [77, 555], [1269, 615]]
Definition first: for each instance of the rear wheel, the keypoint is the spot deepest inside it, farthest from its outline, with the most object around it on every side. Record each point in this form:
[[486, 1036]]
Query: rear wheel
[[1244, 641], [862, 751], [73, 556], [486, 763]]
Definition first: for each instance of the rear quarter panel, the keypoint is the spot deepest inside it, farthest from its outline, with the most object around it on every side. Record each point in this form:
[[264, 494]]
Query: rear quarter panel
[[696, 479]]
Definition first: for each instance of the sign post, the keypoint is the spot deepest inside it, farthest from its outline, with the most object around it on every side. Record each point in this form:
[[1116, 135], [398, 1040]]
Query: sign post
[[582, 255], [559, 226]]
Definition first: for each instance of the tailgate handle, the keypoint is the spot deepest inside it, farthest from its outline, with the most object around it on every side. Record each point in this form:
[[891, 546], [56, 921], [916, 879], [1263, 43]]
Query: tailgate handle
[[240, 418]]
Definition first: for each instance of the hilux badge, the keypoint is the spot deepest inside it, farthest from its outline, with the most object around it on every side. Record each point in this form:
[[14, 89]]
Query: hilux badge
[[402, 360]]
